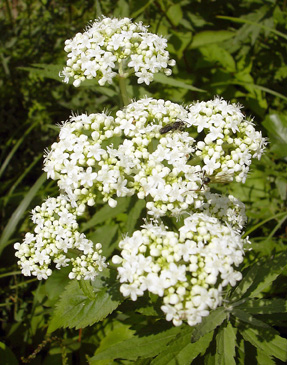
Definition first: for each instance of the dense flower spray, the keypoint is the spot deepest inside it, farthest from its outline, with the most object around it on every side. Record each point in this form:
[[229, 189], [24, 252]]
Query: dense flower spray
[[167, 168], [55, 236], [188, 269], [115, 46], [164, 153]]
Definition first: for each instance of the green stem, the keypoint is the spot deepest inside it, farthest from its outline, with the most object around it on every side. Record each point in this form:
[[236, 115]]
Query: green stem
[[123, 86]]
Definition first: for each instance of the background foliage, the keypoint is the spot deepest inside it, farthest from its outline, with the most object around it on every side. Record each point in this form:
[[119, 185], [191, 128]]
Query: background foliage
[[229, 48]]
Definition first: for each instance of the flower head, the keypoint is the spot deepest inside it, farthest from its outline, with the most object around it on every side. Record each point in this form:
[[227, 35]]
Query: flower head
[[55, 234], [110, 46], [187, 269]]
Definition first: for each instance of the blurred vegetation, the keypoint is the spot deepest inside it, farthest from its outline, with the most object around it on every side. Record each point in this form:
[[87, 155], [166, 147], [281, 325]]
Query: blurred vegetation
[[237, 50]]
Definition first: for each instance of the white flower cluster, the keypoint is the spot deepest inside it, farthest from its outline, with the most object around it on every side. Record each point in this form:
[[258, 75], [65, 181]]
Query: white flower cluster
[[81, 163], [115, 44], [188, 270], [229, 139], [158, 162], [142, 152], [55, 235], [227, 209], [85, 159]]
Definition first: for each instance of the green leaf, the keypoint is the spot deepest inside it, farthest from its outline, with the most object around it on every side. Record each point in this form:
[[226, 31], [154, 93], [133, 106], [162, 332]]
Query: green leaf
[[18, 213], [134, 215], [105, 235], [265, 306], [139, 7], [144, 345], [44, 70], [215, 54], [113, 332], [225, 345], [247, 318], [263, 358], [55, 285], [260, 276], [250, 86], [106, 213], [174, 14], [181, 351], [6, 355], [77, 309], [163, 79], [246, 21], [266, 340], [209, 37], [276, 125], [209, 323]]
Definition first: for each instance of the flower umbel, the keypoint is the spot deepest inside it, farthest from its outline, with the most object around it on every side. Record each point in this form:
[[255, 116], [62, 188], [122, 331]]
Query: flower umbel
[[55, 235], [120, 45], [188, 269]]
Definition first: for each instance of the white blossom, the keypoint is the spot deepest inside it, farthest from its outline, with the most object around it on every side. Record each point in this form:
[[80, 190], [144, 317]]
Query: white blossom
[[190, 267], [112, 46]]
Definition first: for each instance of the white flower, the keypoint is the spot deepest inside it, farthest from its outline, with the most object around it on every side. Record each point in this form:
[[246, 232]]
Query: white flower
[[56, 234], [187, 270], [98, 51]]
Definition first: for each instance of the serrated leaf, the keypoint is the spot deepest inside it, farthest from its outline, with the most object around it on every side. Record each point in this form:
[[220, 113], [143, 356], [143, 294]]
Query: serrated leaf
[[240, 351], [87, 289], [209, 323], [247, 318], [265, 306], [181, 351], [225, 345], [260, 276], [263, 358], [79, 310], [210, 36], [141, 345], [267, 340], [113, 332]]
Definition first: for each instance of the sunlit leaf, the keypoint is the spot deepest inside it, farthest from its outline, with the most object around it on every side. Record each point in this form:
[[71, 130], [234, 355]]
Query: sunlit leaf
[[145, 344], [77, 309], [267, 340], [225, 345], [209, 323], [248, 318], [264, 306], [209, 36], [181, 351], [260, 276]]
